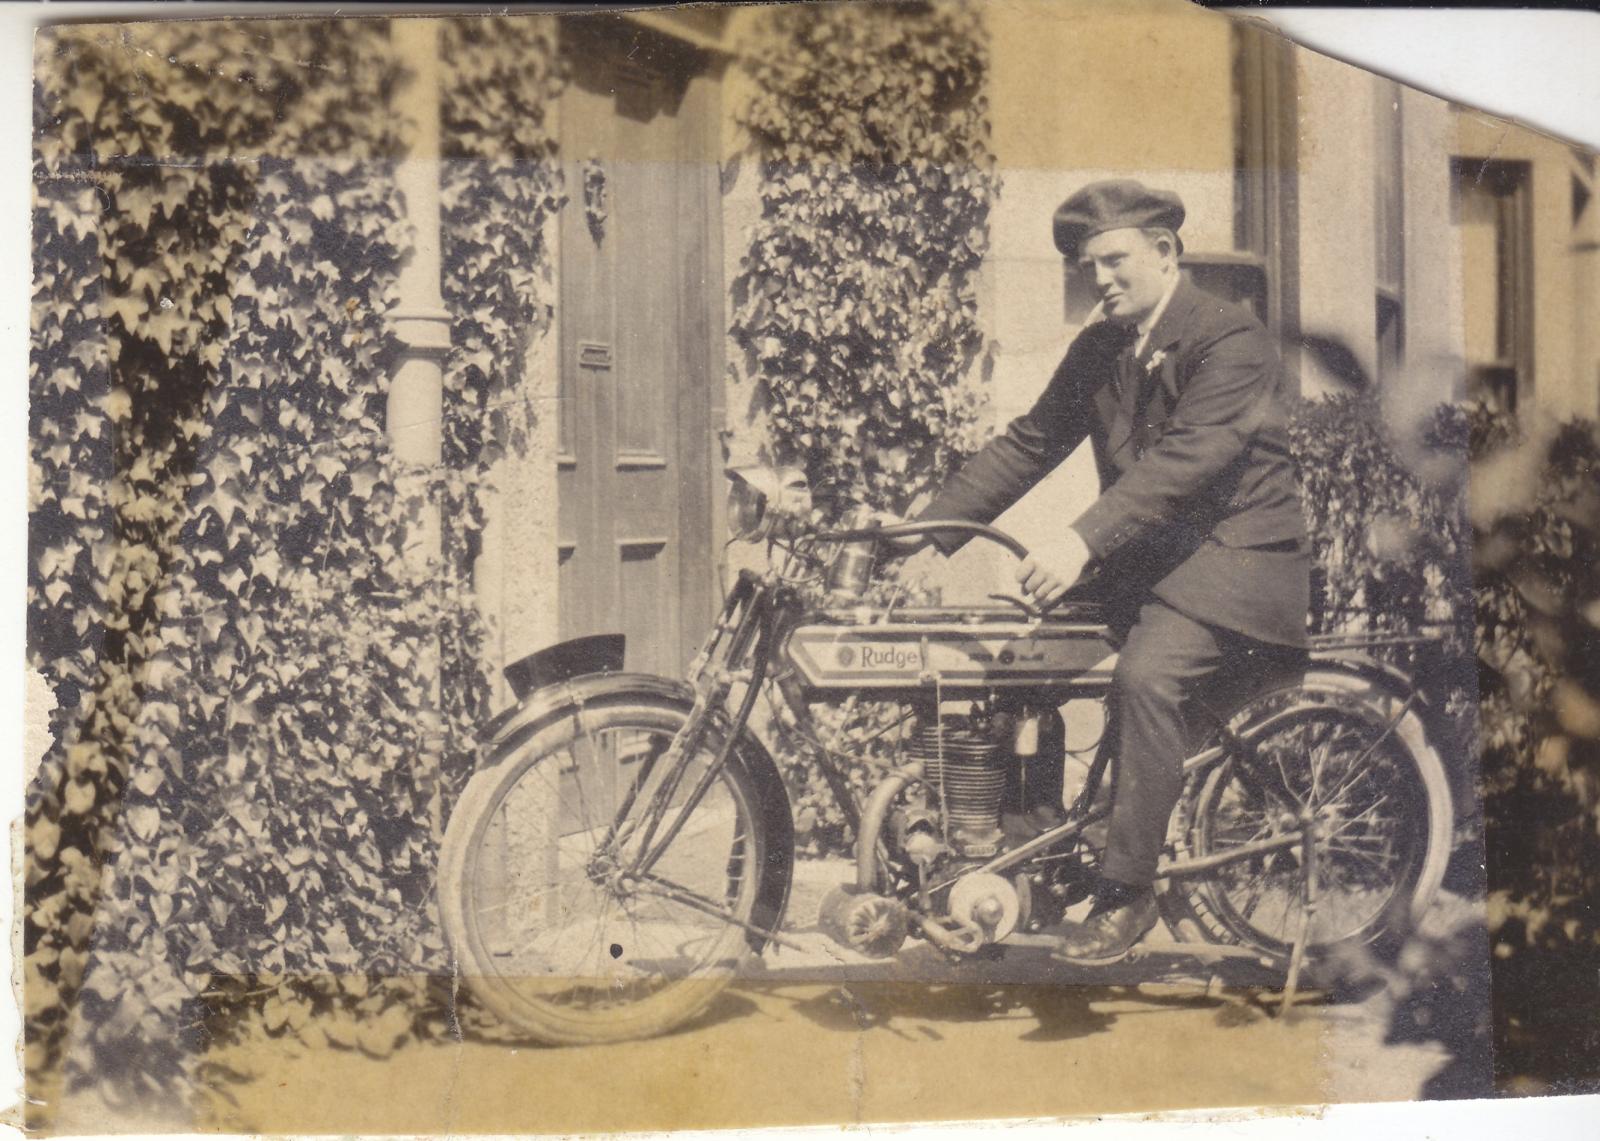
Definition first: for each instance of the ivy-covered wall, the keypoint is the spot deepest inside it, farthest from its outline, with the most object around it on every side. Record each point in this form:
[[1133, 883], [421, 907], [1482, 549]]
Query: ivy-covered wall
[[502, 190], [859, 349], [233, 815]]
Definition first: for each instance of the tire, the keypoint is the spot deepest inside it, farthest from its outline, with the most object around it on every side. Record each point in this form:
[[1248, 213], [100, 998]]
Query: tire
[[1388, 828], [543, 943]]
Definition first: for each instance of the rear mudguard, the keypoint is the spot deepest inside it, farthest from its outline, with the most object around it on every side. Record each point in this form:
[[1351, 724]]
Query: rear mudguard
[[545, 706], [1458, 761]]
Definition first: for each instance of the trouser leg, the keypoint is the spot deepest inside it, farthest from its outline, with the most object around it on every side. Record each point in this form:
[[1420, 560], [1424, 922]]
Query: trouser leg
[[1175, 680], [1249, 668], [1165, 658]]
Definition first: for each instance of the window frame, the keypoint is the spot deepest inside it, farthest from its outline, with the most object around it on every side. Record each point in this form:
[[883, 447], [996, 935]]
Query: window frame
[[1266, 174], [1507, 379]]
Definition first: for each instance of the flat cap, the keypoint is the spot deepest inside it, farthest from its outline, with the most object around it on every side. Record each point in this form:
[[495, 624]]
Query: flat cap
[[1116, 204]]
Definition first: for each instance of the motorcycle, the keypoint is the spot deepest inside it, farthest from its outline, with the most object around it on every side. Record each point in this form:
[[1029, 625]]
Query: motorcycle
[[628, 841]]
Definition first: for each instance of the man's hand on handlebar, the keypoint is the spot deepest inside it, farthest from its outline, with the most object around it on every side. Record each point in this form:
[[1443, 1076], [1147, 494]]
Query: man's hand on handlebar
[[1046, 580]]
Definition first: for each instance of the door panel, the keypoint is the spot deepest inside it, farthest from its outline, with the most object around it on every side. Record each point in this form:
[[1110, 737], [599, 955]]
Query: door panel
[[638, 290]]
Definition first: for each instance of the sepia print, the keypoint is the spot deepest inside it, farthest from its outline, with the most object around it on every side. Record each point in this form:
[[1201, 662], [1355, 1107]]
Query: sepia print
[[822, 563]]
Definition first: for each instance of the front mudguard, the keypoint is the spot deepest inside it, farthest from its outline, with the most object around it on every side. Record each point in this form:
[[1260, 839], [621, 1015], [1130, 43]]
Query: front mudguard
[[563, 699]]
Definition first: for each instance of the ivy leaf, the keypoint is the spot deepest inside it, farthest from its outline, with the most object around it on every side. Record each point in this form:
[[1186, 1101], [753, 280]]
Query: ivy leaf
[[44, 836], [379, 1037], [145, 821], [79, 798], [274, 1014], [127, 309], [266, 564], [148, 780]]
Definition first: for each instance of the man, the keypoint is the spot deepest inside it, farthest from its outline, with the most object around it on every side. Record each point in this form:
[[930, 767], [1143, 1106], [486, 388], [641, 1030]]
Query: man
[[1198, 522]]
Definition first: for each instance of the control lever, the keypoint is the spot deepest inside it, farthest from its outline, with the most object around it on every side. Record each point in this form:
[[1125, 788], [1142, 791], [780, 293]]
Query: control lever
[[1021, 604]]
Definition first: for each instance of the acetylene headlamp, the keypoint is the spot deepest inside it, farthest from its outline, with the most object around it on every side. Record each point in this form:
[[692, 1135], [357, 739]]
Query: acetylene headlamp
[[759, 497]]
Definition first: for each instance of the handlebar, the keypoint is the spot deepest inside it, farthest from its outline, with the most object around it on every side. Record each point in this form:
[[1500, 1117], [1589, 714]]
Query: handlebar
[[980, 530], [897, 530]]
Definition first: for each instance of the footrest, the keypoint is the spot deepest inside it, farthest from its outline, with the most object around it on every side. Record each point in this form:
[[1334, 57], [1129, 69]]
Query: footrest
[[1207, 951]]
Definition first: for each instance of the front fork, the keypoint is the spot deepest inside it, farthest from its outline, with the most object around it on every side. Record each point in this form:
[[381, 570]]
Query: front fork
[[745, 620]]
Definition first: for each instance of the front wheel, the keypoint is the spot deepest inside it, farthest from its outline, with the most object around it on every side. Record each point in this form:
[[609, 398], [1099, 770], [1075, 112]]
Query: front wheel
[[1351, 756], [548, 930]]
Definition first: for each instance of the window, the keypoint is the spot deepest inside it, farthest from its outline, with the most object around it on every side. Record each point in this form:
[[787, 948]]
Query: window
[[1265, 165], [1491, 214]]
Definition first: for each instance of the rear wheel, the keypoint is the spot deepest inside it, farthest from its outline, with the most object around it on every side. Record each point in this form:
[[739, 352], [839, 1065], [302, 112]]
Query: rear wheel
[[1349, 755], [547, 931]]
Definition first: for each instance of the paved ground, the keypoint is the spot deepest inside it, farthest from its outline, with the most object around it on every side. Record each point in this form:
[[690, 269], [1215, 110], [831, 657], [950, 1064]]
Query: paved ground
[[813, 1037]]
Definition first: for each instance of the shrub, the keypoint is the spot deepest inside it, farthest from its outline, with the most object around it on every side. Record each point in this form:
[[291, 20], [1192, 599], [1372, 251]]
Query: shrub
[[1389, 543], [1536, 515]]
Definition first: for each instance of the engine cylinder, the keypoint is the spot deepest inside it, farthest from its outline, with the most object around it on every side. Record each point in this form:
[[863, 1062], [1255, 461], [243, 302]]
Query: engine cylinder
[[961, 761]]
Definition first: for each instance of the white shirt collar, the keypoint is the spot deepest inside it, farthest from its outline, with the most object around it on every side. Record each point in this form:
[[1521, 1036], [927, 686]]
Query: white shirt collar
[[1149, 322]]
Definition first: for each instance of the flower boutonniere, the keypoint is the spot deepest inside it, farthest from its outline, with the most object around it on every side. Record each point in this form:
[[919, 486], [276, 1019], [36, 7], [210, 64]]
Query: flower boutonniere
[[1162, 366]]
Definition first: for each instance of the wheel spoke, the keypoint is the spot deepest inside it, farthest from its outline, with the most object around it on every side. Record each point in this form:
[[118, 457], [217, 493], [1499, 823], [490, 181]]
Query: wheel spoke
[[1350, 782], [1346, 766], [1349, 822], [549, 916], [1257, 888], [1277, 759], [1355, 853]]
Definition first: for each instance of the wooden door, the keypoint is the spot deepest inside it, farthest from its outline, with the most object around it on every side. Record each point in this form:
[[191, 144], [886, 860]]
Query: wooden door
[[640, 304]]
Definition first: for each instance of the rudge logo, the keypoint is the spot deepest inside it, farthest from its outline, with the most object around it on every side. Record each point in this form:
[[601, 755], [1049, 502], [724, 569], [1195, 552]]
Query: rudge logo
[[879, 656], [890, 656]]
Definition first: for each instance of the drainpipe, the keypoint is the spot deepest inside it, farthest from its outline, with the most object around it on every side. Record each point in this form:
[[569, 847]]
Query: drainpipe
[[420, 321]]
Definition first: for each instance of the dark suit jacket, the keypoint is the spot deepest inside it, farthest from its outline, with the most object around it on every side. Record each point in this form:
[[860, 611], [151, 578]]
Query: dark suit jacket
[[1199, 501]]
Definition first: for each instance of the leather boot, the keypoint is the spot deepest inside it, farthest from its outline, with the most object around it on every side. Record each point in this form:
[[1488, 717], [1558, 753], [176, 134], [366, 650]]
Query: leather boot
[[1122, 915]]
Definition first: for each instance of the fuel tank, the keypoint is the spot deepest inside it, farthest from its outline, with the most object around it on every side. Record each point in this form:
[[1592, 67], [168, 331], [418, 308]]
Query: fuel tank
[[952, 652]]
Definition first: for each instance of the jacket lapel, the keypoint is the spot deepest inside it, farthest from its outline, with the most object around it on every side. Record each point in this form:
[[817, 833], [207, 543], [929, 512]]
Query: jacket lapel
[[1113, 376], [1163, 339]]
